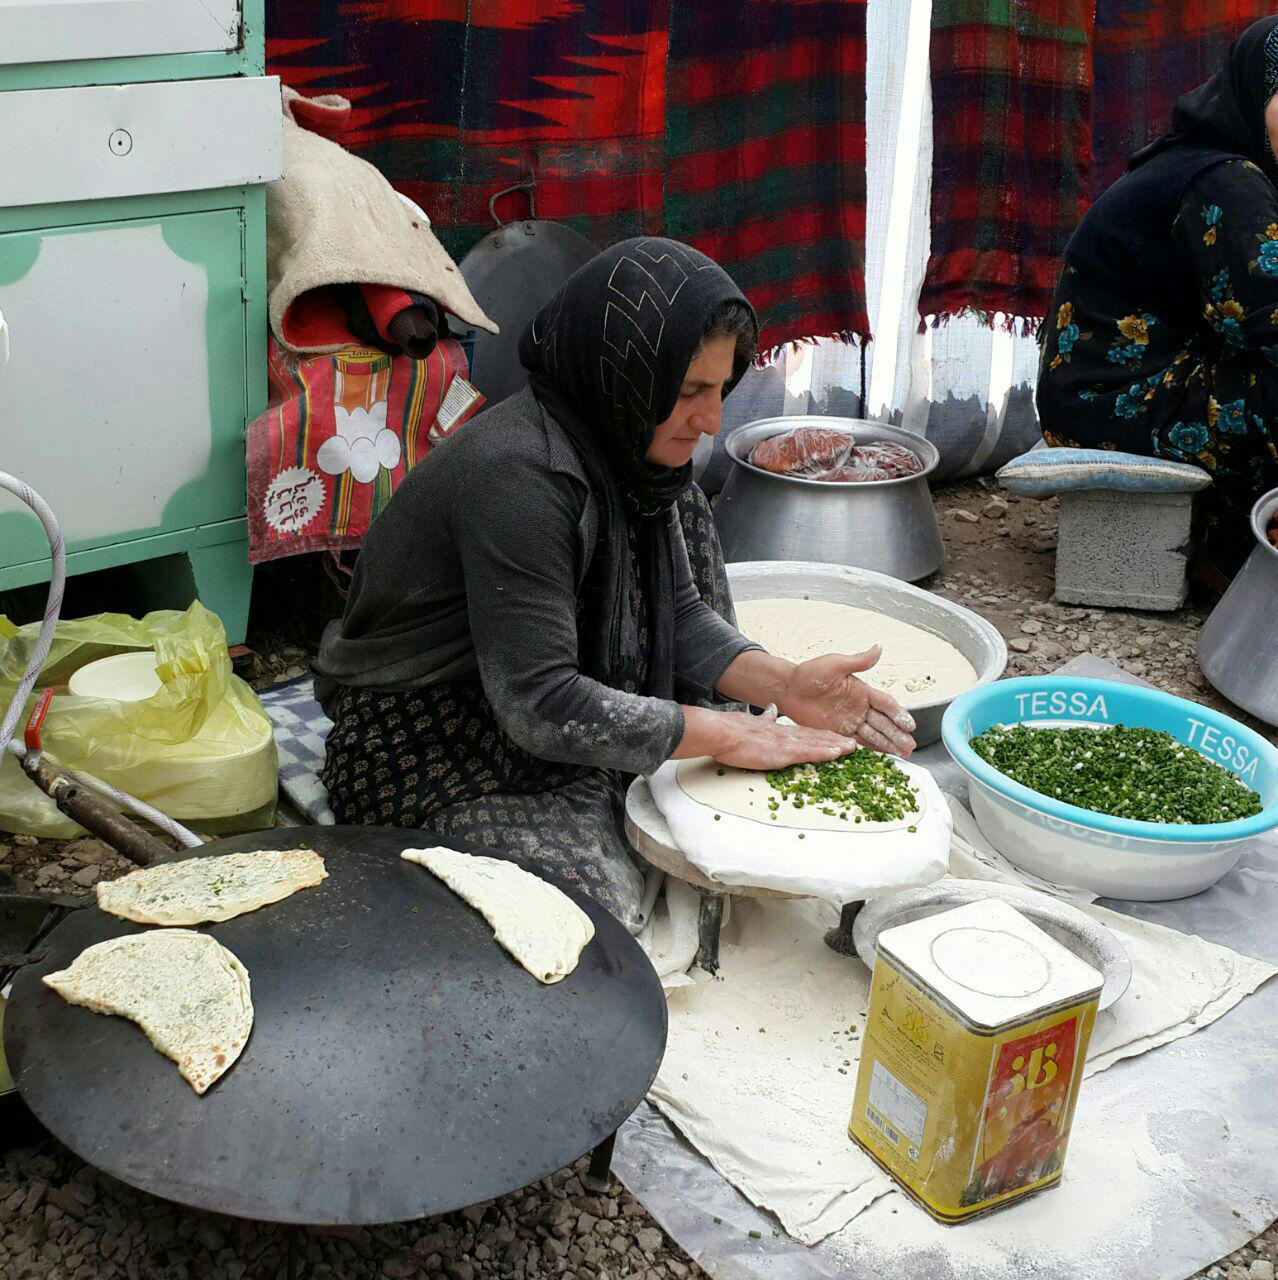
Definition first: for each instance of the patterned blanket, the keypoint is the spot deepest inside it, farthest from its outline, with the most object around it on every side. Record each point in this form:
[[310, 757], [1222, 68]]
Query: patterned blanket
[[341, 434], [1147, 53], [737, 125], [1011, 86], [765, 146]]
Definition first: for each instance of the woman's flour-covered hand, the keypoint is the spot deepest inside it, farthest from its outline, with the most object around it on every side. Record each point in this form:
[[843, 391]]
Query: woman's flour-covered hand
[[825, 693]]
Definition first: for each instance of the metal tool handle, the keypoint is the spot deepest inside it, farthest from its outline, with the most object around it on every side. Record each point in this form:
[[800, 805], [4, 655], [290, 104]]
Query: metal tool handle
[[94, 814], [529, 185]]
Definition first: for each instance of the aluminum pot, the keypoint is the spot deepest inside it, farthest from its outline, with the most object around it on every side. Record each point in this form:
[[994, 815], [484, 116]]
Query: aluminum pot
[[888, 526], [1238, 645]]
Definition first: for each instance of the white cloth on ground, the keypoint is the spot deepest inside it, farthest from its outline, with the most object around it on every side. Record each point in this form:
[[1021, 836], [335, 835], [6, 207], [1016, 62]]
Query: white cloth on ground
[[760, 1068], [671, 935]]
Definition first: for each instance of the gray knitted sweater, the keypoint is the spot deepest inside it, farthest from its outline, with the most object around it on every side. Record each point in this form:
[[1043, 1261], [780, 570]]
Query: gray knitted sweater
[[476, 565]]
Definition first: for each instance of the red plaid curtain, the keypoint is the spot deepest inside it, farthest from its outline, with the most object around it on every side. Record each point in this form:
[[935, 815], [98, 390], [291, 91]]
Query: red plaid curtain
[[1011, 90], [1149, 52]]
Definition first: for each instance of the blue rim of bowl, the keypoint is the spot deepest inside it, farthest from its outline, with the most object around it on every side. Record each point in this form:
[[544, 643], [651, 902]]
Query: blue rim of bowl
[[1201, 833]]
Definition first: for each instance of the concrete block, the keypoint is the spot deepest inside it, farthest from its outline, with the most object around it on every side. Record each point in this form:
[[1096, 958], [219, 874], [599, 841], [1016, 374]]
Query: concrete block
[[1123, 550]]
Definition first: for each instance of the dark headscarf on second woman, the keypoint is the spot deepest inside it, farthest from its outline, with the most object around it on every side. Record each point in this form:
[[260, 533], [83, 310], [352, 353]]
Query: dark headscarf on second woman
[[1126, 236], [607, 356]]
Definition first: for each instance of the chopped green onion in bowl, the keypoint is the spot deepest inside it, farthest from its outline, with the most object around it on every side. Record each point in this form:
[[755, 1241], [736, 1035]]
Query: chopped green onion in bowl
[[1144, 775]]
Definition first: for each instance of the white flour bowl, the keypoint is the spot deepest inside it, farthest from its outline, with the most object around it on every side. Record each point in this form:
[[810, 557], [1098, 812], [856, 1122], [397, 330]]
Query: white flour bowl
[[126, 677]]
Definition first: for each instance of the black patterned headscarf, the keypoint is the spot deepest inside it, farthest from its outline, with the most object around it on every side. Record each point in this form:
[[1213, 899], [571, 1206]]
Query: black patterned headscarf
[[607, 356]]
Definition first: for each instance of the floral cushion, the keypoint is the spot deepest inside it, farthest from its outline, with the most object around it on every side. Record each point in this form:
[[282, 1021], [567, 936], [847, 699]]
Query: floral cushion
[[1044, 472]]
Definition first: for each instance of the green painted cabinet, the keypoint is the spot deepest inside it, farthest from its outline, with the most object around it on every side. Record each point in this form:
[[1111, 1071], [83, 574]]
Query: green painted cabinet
[[132, 281]]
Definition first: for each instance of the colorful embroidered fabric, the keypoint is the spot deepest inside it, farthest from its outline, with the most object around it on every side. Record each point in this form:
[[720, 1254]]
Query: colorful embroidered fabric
[[341, 434], [738, 126]]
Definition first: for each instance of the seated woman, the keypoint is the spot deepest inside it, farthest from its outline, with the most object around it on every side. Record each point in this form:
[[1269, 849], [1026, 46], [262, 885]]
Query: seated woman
[[525, 622], [1163, 337]]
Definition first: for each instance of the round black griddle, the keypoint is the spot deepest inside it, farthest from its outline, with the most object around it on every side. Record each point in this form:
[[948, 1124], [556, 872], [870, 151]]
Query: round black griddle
[[401, 1064]]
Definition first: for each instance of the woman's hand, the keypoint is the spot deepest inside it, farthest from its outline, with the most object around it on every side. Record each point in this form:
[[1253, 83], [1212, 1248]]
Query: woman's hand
[[826, 694], [761, 743], [755, 742]]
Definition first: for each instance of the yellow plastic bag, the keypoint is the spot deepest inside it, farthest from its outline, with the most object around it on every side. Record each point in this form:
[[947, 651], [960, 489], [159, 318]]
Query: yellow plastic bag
[[201, 748]]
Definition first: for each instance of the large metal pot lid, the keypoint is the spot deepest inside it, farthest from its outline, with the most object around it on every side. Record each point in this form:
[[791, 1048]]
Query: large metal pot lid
[[742, 442], [513, 271]]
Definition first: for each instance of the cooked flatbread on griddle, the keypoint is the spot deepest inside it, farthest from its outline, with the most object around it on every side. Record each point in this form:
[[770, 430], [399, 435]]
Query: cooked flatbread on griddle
[[197, 890], [184, 989], [539, 925]]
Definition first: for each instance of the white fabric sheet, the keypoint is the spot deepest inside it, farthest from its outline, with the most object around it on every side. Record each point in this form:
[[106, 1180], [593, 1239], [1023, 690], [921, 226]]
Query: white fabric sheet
[[760, 1068], [836, 867]]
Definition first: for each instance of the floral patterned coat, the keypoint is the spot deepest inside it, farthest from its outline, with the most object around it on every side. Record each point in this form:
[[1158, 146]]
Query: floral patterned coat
[[1116, 376]]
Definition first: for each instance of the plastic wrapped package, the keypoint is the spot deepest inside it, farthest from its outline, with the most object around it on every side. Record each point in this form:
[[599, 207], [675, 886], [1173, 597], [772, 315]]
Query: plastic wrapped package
[[200, 748], [826, 453]]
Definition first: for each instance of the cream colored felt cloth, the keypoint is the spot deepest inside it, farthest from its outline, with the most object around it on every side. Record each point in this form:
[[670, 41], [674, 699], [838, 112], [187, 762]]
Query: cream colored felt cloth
[[760, 1067], [334, 219]]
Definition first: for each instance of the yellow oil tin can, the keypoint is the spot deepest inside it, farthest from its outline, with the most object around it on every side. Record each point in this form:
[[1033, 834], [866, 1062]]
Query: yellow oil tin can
[[973, 1055]]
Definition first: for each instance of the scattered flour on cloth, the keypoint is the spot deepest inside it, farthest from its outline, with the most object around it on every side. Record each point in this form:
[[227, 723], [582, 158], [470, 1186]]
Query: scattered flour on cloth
[[760, 1068], [1086, 1226]]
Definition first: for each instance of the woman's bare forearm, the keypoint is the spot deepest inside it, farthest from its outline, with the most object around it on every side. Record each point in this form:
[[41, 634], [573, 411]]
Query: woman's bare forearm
[[706, 733], [755, 677]]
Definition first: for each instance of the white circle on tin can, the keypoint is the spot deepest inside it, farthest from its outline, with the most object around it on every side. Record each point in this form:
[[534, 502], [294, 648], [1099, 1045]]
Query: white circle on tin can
[[990, 962]]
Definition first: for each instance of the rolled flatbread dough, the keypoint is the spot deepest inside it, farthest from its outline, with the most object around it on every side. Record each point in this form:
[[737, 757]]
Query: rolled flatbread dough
[[916, 668], [184, 989], [196, 890], [537, 924], [746, 794]]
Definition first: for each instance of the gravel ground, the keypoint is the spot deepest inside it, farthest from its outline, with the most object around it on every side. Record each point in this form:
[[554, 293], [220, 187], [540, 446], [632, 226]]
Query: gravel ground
[[62, 1220]]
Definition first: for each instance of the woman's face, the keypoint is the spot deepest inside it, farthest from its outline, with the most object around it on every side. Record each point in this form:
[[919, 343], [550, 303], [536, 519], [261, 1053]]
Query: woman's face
[[699, 409], [1271, 124]]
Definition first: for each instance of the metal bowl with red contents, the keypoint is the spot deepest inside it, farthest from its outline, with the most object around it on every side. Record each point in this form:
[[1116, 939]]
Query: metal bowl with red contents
[[832, 490]]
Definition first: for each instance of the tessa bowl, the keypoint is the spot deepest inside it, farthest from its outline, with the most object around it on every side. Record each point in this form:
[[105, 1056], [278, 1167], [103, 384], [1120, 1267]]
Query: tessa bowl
[[1115, 857]]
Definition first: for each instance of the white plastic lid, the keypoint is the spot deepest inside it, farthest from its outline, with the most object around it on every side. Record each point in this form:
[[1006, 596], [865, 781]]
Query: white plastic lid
[[990, 962], [126, 677]]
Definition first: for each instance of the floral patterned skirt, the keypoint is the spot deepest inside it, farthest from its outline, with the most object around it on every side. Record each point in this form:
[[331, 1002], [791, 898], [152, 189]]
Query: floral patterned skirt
[[436, 759], [1220, 414]]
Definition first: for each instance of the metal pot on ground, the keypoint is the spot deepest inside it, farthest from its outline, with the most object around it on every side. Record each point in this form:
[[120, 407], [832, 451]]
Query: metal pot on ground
[[888, 526], [1238, 645]]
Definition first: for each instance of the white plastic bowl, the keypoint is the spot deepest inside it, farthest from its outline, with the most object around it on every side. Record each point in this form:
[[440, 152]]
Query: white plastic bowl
[[1115, 857]]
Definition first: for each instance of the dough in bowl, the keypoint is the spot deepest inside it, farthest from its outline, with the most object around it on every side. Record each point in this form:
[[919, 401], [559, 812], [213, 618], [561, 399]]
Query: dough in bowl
[[184, 989], [916, 668]]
